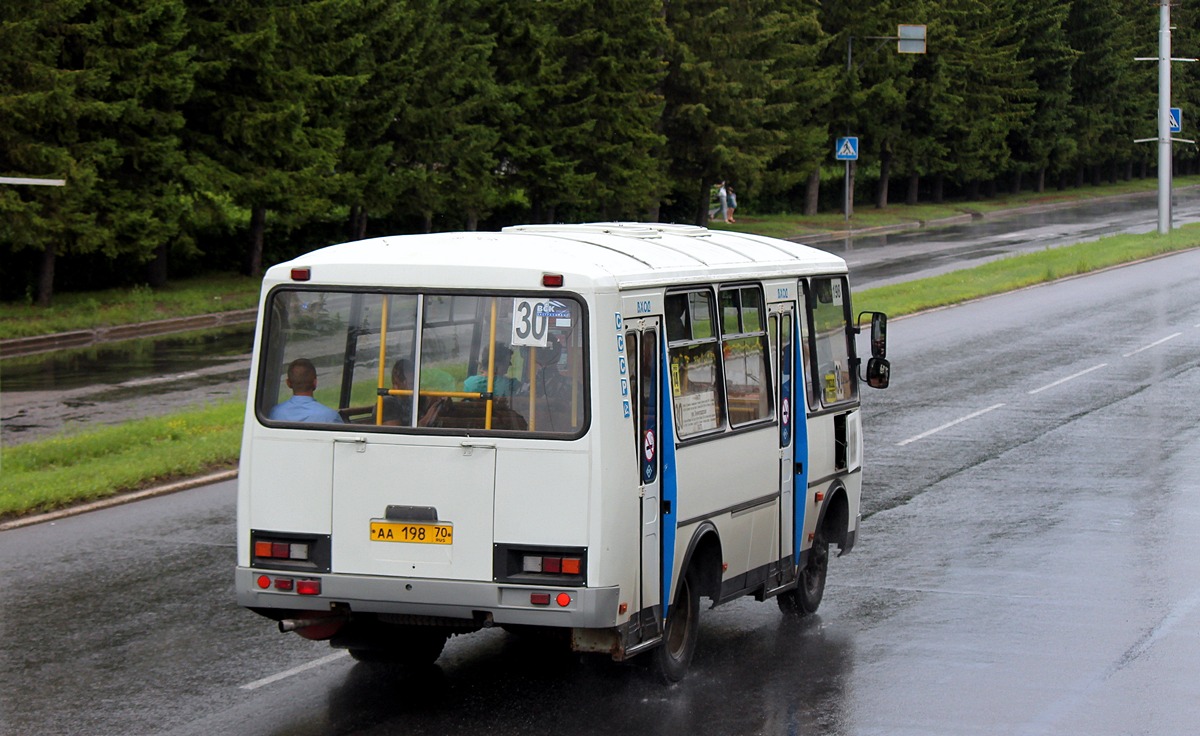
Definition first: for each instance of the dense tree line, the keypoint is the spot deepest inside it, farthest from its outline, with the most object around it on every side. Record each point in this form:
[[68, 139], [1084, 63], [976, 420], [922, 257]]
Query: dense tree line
[[230, 133]]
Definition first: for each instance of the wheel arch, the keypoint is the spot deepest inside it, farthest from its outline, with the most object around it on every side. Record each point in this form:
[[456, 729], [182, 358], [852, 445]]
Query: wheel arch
[[704, 552], [834, 517]]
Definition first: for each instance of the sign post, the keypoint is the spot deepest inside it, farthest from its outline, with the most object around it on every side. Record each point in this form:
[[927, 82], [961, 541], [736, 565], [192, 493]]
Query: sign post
[[847, 150]]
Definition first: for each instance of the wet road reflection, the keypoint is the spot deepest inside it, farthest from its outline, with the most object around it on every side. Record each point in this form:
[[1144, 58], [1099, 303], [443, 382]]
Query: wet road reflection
[[42, 395]]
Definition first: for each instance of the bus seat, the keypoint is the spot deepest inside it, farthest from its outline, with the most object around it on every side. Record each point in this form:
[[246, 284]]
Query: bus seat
[[472, 414]]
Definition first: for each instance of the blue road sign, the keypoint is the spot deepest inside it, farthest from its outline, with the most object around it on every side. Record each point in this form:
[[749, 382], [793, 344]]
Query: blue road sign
[[1176, 120], [847, 149]]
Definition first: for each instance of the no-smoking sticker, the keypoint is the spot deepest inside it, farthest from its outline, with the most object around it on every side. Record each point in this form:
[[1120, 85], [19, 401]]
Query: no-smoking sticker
[[648, 445]]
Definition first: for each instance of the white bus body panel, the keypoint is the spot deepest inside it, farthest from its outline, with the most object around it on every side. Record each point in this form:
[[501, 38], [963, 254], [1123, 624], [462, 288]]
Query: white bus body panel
[[526, 491]]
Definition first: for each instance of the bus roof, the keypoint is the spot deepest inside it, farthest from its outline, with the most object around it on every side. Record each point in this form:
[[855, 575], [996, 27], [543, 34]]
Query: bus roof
[[618, 255]]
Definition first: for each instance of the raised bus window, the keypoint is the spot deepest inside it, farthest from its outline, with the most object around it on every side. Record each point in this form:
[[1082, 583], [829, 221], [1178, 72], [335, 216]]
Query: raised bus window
[[432, 362]]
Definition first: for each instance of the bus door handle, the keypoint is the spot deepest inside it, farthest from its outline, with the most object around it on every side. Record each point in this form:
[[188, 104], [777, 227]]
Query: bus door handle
[[470, 445]]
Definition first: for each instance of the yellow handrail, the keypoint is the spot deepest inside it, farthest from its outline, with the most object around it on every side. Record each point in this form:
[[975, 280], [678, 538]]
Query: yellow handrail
[[383, 325], [491, 374]]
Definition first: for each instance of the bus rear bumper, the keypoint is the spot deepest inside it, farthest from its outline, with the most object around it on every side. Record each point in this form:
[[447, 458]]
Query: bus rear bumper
[[572, 607]]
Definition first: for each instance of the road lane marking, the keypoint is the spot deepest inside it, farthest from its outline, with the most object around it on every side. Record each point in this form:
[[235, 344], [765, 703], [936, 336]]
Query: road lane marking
[[1068, 378], [1153, 344], [294, 671], [947, 425]]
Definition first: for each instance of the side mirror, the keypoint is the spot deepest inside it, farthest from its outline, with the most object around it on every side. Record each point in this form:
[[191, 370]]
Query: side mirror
[[878, 334], [879, 372], [878, 369]]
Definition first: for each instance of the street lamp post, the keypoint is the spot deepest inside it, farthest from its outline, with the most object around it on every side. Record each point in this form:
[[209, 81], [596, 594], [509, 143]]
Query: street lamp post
[[910, 39], [33, 182], [1164, 138]]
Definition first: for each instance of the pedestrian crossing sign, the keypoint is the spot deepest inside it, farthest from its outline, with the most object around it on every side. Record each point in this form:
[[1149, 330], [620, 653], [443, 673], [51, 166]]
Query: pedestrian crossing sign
[[847, 149], [1175, 120]]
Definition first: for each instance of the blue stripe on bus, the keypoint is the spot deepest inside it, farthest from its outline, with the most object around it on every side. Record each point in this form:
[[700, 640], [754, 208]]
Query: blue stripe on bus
[[799, 444], [669, 488]]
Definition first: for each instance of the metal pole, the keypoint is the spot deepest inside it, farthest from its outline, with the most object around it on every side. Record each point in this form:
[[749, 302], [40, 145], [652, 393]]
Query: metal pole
[[1164, 113], [846, 200], [32, 182]]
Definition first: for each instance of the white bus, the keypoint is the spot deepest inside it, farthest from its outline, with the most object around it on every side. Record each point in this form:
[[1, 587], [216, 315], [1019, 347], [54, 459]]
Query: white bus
[[579, 429]]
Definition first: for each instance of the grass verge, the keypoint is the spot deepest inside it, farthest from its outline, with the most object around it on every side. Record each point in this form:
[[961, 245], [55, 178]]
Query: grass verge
[[1017, 272], [48, 474], [89, 310]]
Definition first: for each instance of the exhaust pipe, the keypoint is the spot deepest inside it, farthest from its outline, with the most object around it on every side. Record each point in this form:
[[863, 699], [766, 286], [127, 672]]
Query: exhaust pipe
[[317, 628]]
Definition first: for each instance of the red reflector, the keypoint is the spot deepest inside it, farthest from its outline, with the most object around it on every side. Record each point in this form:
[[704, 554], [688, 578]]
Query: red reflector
[[301, 274], [570, 566], [552, 564], [308, 587], [262, 549], [280, 550], [264, 582], [284, 584], [539, 599], [563, 599], [551, 280]]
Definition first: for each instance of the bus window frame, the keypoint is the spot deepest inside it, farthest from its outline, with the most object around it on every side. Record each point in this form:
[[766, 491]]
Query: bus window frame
[[270, 343], [814, 379], [718, 337]]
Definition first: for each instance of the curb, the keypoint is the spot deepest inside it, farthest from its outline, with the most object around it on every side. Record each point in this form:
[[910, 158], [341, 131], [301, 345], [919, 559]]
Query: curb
[[119, 500]]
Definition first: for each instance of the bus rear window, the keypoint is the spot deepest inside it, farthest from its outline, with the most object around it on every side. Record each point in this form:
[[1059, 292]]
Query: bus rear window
[[415, 362]]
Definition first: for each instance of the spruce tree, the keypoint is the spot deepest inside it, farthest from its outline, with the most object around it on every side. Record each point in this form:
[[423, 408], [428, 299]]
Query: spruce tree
[[265, 122]]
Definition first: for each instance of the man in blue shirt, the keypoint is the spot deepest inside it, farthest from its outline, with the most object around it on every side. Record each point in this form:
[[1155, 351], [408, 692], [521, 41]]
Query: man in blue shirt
[[302, 407]]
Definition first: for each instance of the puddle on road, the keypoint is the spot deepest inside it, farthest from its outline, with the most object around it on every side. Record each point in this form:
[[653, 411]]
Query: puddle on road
[[121, 362], [42, 395]]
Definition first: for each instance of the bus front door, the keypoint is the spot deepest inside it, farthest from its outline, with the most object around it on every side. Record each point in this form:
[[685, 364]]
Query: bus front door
[[642, 344], [793, 440]]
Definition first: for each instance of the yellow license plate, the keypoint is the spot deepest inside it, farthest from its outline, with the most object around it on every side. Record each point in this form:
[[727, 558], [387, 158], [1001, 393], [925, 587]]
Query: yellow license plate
[[389, 531]]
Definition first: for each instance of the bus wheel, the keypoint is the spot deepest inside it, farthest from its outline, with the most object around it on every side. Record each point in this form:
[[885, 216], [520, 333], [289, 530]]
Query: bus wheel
[[672, 659], [416, 647], [806, 596]]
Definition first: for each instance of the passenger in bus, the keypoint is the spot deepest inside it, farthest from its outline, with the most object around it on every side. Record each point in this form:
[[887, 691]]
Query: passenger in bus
[[503, 387], [302, 407], [397, 410]]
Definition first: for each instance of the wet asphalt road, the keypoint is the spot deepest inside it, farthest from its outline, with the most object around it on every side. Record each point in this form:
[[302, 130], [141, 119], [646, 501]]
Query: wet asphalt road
[[1029, 563]]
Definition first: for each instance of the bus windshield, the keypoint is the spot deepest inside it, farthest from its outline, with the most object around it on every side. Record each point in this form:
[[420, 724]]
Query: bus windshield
[[414, 362]]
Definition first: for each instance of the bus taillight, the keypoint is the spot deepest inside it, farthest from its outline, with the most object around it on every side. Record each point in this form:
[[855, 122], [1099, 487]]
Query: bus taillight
[[552, 565], [271, 550]]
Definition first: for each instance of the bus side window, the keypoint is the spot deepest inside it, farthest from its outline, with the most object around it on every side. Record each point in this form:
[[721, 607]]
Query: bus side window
[[832, 379], [697, 386]]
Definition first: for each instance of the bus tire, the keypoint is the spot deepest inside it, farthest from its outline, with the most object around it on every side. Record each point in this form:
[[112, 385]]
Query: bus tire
[[805, 598], [674, 657], [417, 647]]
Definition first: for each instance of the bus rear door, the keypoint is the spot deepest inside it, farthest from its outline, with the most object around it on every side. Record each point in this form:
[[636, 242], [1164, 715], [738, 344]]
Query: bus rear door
[[412, 510]]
